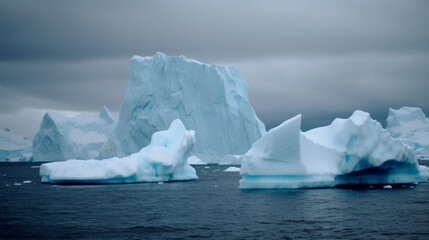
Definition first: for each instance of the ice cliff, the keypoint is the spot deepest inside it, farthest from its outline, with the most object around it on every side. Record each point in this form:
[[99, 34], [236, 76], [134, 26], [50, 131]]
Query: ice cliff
[[61, 138], [164, 159], [351, 151], [210, 99], [410, 125], [14, 148]]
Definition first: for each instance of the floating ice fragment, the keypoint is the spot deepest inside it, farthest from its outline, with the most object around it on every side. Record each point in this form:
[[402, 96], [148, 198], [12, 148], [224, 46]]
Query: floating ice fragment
[[232, 169]]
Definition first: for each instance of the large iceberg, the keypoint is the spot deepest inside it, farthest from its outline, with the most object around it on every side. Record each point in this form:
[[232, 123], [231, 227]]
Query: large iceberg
[[13, 147], [353, 151], [208, 98], [411, 126], [164, 159], [61, 138]]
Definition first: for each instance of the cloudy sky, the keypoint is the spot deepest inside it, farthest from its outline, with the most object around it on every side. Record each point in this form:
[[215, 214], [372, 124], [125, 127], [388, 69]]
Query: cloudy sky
[[323, 59]]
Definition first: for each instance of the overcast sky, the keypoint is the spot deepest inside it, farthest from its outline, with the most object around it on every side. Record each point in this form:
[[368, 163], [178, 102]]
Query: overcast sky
[[323, 59]]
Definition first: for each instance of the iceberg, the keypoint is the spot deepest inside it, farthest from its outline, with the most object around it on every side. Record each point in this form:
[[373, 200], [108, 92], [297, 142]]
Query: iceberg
[[61, 138], [210, 99], [231, 160], [164, 159], [353, 151], [13, 147], [411, 126], [192, 160]]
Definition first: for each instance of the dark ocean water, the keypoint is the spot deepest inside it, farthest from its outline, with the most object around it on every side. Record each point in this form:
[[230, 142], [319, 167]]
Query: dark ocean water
[[211, 208]]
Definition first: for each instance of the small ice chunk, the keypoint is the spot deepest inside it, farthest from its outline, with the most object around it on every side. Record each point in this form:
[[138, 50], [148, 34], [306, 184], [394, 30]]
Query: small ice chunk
[[387, 187], [17, 184], [26, 181], [232, 169]]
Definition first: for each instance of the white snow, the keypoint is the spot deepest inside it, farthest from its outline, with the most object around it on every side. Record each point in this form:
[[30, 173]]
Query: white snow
[[164, 159], [356, 150], [193, 160], [14, 148], [410, 125], [232, 169], [61, 138], [208, 98]]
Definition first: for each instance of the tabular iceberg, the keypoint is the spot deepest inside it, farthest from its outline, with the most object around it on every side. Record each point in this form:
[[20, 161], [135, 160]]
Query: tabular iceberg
[[164, 159], [208, 98], [410, 125], [61, 138], [14, 148], [353, 151]]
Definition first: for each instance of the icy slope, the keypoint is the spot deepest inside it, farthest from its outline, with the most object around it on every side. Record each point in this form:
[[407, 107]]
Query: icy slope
[[208, 98], [350, 151], [410, 125], [61, 138], [164, 159], [13, 147]]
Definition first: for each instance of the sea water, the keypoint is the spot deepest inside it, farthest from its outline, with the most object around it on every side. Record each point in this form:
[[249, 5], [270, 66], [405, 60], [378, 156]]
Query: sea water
[[212, 207]]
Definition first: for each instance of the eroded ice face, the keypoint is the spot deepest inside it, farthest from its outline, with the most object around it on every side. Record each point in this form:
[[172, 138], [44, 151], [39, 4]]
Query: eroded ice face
[[210, 99], [410, 125]]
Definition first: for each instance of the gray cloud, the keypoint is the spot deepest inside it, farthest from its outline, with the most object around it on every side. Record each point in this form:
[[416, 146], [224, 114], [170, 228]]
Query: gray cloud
[[322, 59], [77, 86], [209, 30], [323, 88]]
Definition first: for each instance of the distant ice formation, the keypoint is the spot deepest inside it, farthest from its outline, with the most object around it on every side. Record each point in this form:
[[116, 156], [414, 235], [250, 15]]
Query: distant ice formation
[[231, 160], [411, 126], [61, 138], [352, 151], [164, 159], [208, 98], [192, 160], [14, 148]]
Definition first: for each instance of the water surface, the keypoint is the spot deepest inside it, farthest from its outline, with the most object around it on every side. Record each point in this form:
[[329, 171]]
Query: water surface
[[210, 208]]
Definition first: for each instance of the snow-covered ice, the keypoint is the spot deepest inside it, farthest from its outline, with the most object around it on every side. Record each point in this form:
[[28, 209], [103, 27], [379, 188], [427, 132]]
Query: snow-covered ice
[[350, 151], [210, 99], [232, 169], [14, 148], [61, 138], [411, 126], [164, 159]]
